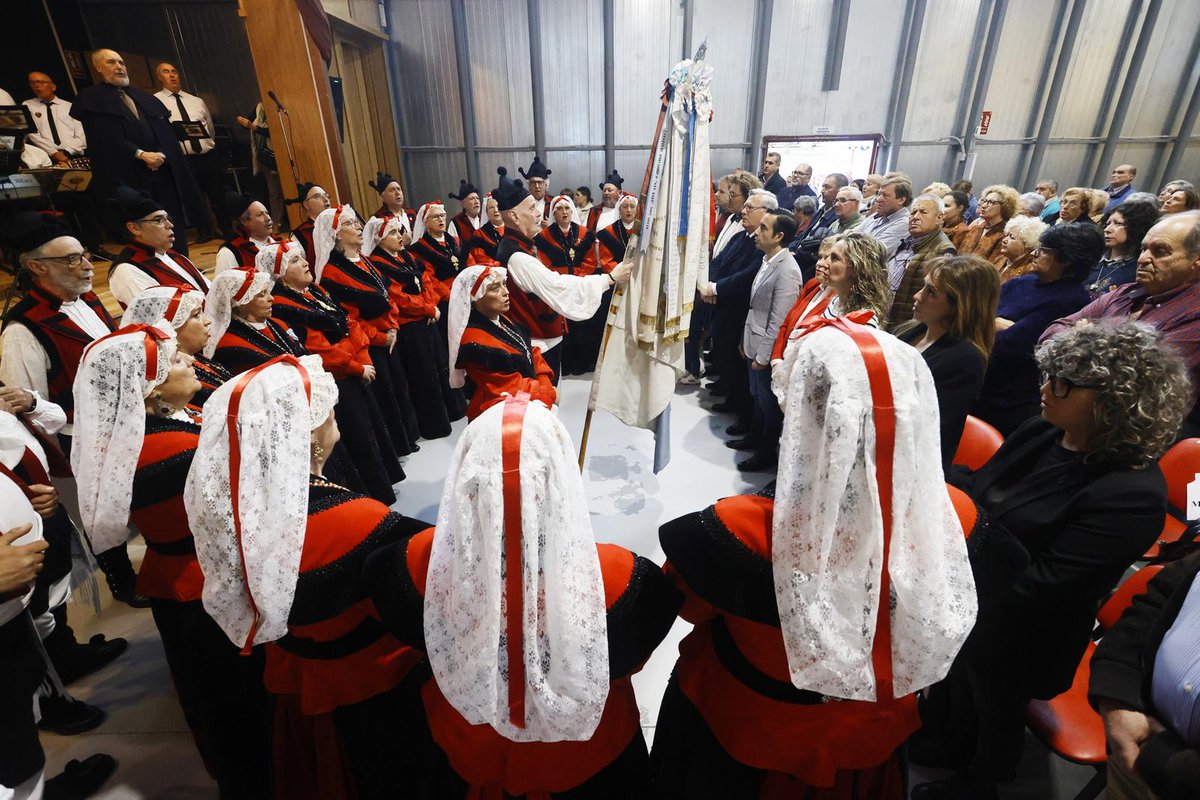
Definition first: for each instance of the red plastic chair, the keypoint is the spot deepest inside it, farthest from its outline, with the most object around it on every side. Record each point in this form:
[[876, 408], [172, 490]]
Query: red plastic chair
[[1179, 465], [979, 443], [1067, 724]]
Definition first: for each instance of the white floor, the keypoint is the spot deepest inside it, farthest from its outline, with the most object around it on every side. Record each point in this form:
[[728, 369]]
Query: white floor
[[146, 731]]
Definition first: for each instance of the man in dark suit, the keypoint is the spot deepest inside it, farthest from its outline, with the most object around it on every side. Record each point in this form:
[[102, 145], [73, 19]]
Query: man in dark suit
[[131, 142], [772, 181]]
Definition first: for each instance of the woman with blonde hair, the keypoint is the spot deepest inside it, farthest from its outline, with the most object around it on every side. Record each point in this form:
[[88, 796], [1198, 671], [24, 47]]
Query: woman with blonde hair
[[1020, 240], [1099, 199], [997, 205], [955, 314], [938, 188]]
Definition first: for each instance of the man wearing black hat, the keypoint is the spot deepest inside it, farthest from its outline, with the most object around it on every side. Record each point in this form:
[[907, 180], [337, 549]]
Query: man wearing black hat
[[313, 200], [148, 259], [44, 338], [539, 187], [391, 199], [131, 142], [252, 227], [539, 297], [600, 217], [466, 222]]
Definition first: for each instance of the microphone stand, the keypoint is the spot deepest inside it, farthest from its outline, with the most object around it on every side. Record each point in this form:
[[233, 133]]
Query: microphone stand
[[285, 123]]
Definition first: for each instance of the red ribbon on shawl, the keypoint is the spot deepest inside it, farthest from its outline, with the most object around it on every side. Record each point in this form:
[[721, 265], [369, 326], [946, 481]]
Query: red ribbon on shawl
[[814, 321], [280, 251], [235, 468], [479, 281], [173, 304], [246, 283], [511, 426], [884, 412]]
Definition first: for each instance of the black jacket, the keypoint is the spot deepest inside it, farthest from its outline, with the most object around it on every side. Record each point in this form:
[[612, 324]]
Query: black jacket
[[1122, 668], [957, 367], [1082, 527]]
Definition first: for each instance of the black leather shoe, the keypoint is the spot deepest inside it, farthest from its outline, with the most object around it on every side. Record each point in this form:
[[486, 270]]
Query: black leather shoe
[[757, 463], [67, 717], [739, 428], [745, 443], [717, 390], [81, 779], [724, 408], [84, 659]]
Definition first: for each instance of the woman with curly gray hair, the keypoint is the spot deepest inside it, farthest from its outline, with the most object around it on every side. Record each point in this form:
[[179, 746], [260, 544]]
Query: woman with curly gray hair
[[1066, 505]]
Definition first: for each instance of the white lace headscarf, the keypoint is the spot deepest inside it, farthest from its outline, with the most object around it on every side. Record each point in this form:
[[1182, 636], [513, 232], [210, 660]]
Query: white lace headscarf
[[828, 533], [377, 228], [231, 288], [563, 624], [325, 231], [466, 289], [626, 197], [566, 199], [251, 564], [422, 212], [274, 259], [116, 375], [174, 305]]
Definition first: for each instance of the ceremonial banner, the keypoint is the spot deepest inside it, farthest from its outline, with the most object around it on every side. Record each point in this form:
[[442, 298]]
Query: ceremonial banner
[[642, 357]]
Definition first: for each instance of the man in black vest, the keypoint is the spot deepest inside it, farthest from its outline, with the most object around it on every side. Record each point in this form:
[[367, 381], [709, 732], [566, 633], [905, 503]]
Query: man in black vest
[[131, 141]]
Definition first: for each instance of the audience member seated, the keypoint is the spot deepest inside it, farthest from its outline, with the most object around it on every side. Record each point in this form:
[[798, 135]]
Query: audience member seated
[[997, 205], [846, 206], [1021, 235], [889, 223], [148, 258], [1120, 186], [772, 181], [1166, 294], [1070, 501], [955, 328], [906, 269], [1143, 673], [953, 222], [937, 188], [797, 187], [804, 248], [1098, 203], [798, 678], [1181, 197], [870, 189], [1124, 227], [1028, 304], [804, 209], [1031, 204], [1048, 190], [972, 209], [1074, 206]]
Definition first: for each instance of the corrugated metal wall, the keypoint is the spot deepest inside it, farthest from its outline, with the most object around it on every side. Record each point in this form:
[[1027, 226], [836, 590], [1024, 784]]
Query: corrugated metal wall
[[650, 36]]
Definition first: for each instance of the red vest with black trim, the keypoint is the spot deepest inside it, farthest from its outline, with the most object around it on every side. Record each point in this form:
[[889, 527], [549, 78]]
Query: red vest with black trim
[[336, 651], [62, 339], [465, 228], [244, 249], [542, 321], [442, 260], [481, 250], [305, 234], [611, 243], [413, 298], [593, 217], [641, 607], [169, 570], [244, 347], [498, 364], [564, 252], [145, 259], [733, 665], [384, 212]]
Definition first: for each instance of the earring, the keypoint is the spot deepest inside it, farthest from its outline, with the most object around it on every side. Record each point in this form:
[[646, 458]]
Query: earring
[[164, 409], [318, 453]]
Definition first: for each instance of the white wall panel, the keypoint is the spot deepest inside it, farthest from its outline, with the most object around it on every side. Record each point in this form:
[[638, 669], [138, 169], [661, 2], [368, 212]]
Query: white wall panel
[[729, 29], [573, 67], [937, 76], [648, 34], [1015, 87], [428, 82], [794, 100], [1097, 46], [498, 35]]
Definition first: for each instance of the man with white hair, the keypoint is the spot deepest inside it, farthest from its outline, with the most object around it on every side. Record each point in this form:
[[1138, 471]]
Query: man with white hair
[[131, 142], [1031, 204], [906, 269]]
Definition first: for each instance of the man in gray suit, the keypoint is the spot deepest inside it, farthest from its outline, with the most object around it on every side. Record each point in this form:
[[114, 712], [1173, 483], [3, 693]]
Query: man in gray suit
[[774, 291]]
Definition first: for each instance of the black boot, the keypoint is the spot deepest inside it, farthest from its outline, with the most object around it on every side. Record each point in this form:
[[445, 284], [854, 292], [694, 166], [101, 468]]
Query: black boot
[[122, 580], [67, 716], [80, 779], [73, 660]]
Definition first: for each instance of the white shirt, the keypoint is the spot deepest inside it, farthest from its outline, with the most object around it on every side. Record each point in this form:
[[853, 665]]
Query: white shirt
[[607, 217], [26, 363], [575, 297], [127, 281], [15, 510], [732, 226], [70, 130], [197, 112], [227, 259]]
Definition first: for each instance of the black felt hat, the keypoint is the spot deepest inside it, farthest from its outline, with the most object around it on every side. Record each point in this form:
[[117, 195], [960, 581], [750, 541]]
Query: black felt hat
[[133, 204], [30, 230], [234, 205], [510, 192], [536, 170], [614, 178], [465, 190], [381, 182], [302, 190]]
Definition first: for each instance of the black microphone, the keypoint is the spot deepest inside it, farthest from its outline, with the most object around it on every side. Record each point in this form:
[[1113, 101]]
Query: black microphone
[[279, 105]]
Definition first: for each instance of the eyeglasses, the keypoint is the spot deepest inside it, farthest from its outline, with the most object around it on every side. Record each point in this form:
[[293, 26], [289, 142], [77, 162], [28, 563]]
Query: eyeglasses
[[157, 219], [1039, 250], [845, 200], [1061, 386], [987, 202], [73, 260]]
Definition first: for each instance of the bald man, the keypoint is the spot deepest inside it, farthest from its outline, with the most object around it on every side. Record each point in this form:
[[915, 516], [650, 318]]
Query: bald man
[[1120, 185], [131, 141], [200, 154], [58, 133]]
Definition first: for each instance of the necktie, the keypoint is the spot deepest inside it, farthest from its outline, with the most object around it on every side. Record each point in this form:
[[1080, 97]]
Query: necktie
[[129, 104], [184, 116], [50, 119]]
